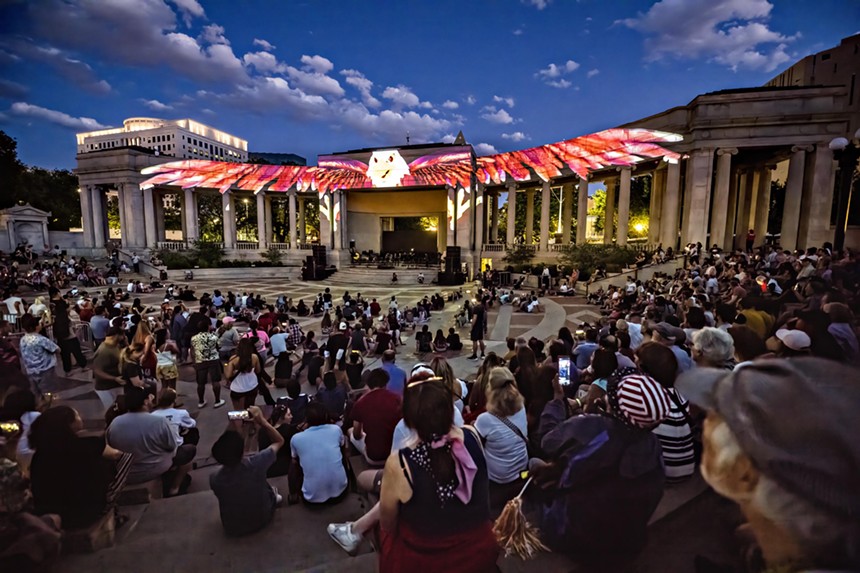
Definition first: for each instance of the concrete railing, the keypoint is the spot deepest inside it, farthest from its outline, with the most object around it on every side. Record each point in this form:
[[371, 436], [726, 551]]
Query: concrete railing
[[556, 247], [494, 248], [172, 245], [306, 246], [247, 246], [280, 246]]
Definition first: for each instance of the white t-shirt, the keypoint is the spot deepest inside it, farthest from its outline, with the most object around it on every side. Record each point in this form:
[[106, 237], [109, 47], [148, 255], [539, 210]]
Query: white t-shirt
[[506, 452], [177, 419], [11, 303], [319, 451], [404, 437]]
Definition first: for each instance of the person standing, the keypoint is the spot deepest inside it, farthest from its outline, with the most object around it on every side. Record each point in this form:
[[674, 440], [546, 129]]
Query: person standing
[[63, 334], [38, 354], [135, 262], [479, 318], [207, 364]]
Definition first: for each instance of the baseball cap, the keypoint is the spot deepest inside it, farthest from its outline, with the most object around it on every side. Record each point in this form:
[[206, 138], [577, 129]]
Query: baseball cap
[[670, 332], [228, 320], [342, 326], [794, 339], [795, 419]]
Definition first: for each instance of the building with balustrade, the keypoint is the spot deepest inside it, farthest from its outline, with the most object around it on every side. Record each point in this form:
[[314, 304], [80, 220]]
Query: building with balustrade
[[710, 164]]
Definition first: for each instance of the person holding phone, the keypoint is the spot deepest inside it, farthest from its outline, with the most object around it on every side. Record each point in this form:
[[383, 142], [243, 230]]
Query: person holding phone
[[246, 501]]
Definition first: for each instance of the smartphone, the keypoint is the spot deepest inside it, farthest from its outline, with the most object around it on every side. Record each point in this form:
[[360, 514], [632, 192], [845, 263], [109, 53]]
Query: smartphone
[[564, 370], [9, 428], [243, 415]]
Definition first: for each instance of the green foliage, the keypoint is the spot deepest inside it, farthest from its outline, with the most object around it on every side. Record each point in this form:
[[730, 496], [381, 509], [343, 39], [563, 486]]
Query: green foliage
[[176, 259], [519, 255], [209, 213], [598, 209], [208, 255], [273, 256], [640, 205], [49, 190], [587, 257]]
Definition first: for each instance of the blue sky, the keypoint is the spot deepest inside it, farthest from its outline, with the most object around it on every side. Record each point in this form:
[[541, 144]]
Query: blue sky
[[316, 77]]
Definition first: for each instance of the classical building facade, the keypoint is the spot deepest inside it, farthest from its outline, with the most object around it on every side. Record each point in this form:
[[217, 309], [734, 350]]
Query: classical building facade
[[711, 183], [177, 138]]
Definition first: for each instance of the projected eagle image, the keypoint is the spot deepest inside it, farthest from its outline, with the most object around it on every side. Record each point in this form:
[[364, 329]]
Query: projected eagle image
[[387, 168]]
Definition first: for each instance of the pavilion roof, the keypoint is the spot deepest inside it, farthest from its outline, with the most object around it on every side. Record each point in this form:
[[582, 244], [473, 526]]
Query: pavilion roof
[[612, 147]]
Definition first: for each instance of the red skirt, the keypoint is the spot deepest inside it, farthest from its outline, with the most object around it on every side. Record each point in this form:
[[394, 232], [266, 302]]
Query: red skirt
[[405, 550]]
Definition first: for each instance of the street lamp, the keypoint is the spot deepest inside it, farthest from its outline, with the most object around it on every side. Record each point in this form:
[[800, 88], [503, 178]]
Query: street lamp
[[846, 153]]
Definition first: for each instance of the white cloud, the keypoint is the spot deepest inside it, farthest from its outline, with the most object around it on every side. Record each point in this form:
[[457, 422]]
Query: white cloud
[[515, 136], [539, 4], [448, 138], [317, 64], [70, 68], [449, 104], [494, 115], [264, 62], [484, 149], [506, 100], [401, 95], [10, 89], [357, 80], [267, 46], [518, 32], [561, 84], [214, 34], [732, 33], [471, 100], [390, 125], [55, 117], [592, 73], [554, 71], [156, 105], [189, 9]]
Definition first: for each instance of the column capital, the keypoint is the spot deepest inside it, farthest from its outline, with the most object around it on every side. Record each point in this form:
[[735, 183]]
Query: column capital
[[727, 151], [511, 184], [807, 148], [622, 168]]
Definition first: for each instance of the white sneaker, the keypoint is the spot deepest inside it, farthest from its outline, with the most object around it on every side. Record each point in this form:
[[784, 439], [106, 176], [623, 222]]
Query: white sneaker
[[201, 404], [344, 536], [218, 404]]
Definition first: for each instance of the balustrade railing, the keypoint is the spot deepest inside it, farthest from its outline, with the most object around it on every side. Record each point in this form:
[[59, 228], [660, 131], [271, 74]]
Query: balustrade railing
[[280, 246], [173, 245], [306, 246], [247, 246], [494, 248]]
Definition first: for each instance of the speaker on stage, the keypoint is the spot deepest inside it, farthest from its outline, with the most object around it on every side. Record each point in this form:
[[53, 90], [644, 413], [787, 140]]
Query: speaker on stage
[[319, 255], [452, 260]]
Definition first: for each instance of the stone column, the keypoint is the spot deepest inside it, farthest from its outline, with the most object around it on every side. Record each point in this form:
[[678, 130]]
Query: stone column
[[270, 225], [87, 222], [494, 218], [451, 231], [99, 218], [292, 215], [160, 230], [344, 220], [302, 222], [480, 223], [261, 221], [582, 211], [544, 216], [609, 213], [671, 207], [624, 206], [655, 208], [762, 205], [135, 215], [728, 241], [719, 214], [228, 209], [700, 188], [512, 213], [189, 212], [566, 212], [746, 188], [336, 221], [149, 218], [530, 216], [793, 197], [818, 212], [120, 203]]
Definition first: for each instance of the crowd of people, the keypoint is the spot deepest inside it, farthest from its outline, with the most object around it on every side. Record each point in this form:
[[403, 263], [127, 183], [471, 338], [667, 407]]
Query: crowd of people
[[744, 364]]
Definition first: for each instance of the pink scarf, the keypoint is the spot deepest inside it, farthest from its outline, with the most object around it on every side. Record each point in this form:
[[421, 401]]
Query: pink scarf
[[464, 466]]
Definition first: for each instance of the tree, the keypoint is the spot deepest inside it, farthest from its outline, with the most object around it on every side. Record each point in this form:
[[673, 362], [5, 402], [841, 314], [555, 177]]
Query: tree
[[55, 191]]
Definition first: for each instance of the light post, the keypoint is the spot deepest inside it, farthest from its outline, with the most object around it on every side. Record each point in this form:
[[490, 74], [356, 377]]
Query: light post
[[846, 153]]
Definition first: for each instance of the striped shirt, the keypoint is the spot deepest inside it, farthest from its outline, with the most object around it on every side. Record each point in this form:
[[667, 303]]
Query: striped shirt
[[677, 440]]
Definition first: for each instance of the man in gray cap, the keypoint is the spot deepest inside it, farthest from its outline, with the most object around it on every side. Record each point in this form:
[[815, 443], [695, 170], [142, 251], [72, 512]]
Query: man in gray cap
[[781, 439], [673, 337]]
